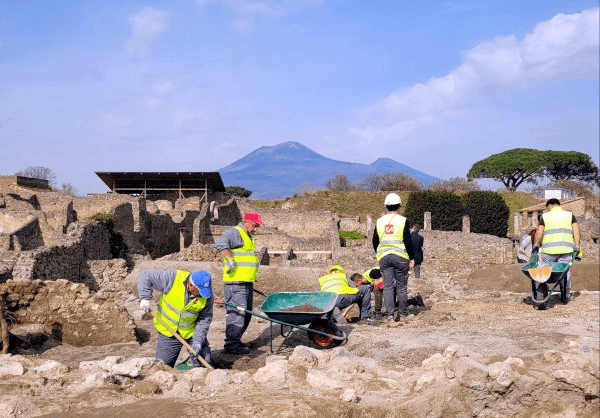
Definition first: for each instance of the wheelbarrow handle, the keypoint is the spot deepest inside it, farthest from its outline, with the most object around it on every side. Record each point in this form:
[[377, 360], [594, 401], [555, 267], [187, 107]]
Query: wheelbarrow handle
[[259, 292]]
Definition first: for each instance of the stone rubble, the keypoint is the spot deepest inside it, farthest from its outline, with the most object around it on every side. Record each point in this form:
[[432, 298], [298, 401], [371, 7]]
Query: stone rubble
[[457, 382]]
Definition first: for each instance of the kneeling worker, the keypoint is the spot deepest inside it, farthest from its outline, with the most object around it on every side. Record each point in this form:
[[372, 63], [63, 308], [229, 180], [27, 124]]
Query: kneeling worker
[[374, 280], [337, 282], [186, 306]]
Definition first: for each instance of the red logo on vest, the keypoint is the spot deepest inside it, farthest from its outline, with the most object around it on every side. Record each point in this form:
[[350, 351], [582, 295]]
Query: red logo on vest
[[389, 229]]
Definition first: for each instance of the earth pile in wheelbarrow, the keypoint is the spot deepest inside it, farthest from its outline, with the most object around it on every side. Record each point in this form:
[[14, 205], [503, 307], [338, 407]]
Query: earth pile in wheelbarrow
[[295, 309]]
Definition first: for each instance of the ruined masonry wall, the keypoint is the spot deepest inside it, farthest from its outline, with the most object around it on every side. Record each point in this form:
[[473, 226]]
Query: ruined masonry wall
[[300, 224], [66, 261]]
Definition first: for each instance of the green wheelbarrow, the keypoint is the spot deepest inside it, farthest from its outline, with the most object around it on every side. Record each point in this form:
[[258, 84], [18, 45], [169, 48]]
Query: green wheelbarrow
[[546, 279], [307, 311]]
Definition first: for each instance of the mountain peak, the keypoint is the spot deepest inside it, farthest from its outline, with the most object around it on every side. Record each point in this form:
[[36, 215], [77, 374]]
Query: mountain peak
[[279, 170]]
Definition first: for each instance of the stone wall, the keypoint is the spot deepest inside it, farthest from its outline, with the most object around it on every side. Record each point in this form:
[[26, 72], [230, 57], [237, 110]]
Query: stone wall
[[58, 209], [300, 224], [66, 261], [13, 183]]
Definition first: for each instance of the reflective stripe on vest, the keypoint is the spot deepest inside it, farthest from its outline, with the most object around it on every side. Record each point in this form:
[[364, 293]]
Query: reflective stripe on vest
[[558, 232], [336, 283], [173, 310], [245, 259], [390, 228]]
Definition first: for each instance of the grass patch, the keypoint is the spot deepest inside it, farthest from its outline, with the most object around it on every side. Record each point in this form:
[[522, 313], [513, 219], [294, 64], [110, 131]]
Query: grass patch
[[351, 235]]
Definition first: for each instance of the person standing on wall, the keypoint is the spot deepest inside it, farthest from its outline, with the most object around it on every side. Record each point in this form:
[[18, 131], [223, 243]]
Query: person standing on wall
[[186, 306], [240, 269], [393, 245], [558, 234], [417, 242]]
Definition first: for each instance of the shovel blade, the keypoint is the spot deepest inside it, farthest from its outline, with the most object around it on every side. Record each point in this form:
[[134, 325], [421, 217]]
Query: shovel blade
[[540, 274]]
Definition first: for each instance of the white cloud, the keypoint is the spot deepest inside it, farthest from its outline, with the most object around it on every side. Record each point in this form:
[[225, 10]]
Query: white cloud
[[565, 46], [146, 27], [248, 11]]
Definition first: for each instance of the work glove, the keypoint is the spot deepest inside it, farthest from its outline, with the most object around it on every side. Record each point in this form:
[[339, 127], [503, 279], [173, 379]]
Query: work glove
[[535, 249], [145, 305], [229, 265], [196, 347], [578, 253]]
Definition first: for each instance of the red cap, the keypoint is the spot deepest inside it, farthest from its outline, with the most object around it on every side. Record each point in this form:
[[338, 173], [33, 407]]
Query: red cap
[[254, 217]]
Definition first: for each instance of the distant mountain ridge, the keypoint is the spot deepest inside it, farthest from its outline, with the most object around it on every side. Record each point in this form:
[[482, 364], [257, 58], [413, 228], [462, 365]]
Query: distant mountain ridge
[[278, 171]]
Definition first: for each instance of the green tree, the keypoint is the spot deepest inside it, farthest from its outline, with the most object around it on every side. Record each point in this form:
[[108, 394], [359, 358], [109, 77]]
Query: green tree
[[512, 167], [238, 191], [570, 165]]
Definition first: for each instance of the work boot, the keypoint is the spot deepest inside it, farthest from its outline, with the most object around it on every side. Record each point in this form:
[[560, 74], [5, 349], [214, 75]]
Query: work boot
[[378, 316], [542, 306], [396, 316], [240, 350]]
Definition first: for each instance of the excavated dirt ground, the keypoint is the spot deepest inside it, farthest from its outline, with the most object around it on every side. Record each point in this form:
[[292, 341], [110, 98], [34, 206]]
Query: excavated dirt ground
[[493, 317]]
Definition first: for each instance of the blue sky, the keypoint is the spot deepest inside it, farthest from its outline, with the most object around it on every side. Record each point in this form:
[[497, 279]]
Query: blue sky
[[194, 85]]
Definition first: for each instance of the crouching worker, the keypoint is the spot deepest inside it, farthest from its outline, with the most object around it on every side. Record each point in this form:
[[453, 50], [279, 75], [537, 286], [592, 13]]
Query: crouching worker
[[186, 306], [374, 280], [337, 282]]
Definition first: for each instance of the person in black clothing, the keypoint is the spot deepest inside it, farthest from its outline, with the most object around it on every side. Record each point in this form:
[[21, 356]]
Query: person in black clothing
[[417, 242]]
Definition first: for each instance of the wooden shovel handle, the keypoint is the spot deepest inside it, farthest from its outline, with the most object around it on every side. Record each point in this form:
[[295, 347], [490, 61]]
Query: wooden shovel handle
[[184, 342], [345, 311]]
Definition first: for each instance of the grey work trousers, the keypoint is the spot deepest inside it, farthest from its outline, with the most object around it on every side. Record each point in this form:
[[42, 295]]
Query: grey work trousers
[[236, 322], [362, 299], [395, 275], [168, 348]]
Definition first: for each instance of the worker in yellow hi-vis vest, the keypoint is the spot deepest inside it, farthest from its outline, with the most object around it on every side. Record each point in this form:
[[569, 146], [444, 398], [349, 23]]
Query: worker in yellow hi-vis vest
[[186, 306], [558, 234], [240, 270], [393, 245]]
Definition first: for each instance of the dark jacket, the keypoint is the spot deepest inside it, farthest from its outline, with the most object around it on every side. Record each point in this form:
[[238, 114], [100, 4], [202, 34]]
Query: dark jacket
[[417, 242]]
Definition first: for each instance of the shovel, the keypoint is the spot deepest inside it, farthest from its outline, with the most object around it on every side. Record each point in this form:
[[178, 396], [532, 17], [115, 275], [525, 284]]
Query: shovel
[[181, 340], [540, 274]]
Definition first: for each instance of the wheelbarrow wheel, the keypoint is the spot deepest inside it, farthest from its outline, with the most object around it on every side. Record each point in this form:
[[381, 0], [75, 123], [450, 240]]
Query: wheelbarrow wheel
[[322, 341]]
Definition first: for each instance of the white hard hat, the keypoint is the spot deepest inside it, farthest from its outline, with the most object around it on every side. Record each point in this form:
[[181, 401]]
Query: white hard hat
[[392, 199]]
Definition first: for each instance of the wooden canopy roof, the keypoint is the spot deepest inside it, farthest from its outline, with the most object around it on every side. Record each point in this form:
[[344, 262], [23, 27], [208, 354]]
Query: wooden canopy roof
[[156, 183]]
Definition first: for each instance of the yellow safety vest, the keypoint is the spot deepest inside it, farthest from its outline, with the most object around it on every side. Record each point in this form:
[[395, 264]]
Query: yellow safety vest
[[366, 275], [245, 259], [558, 232], [336, 283], [390, 228], [173, 310]]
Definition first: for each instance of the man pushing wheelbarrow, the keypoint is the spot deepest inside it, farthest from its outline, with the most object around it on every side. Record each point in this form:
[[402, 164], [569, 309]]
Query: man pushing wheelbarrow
[[558, 234]]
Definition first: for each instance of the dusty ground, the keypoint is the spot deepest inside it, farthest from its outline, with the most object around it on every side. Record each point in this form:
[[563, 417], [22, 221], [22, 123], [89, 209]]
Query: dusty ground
[[492, 317]]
